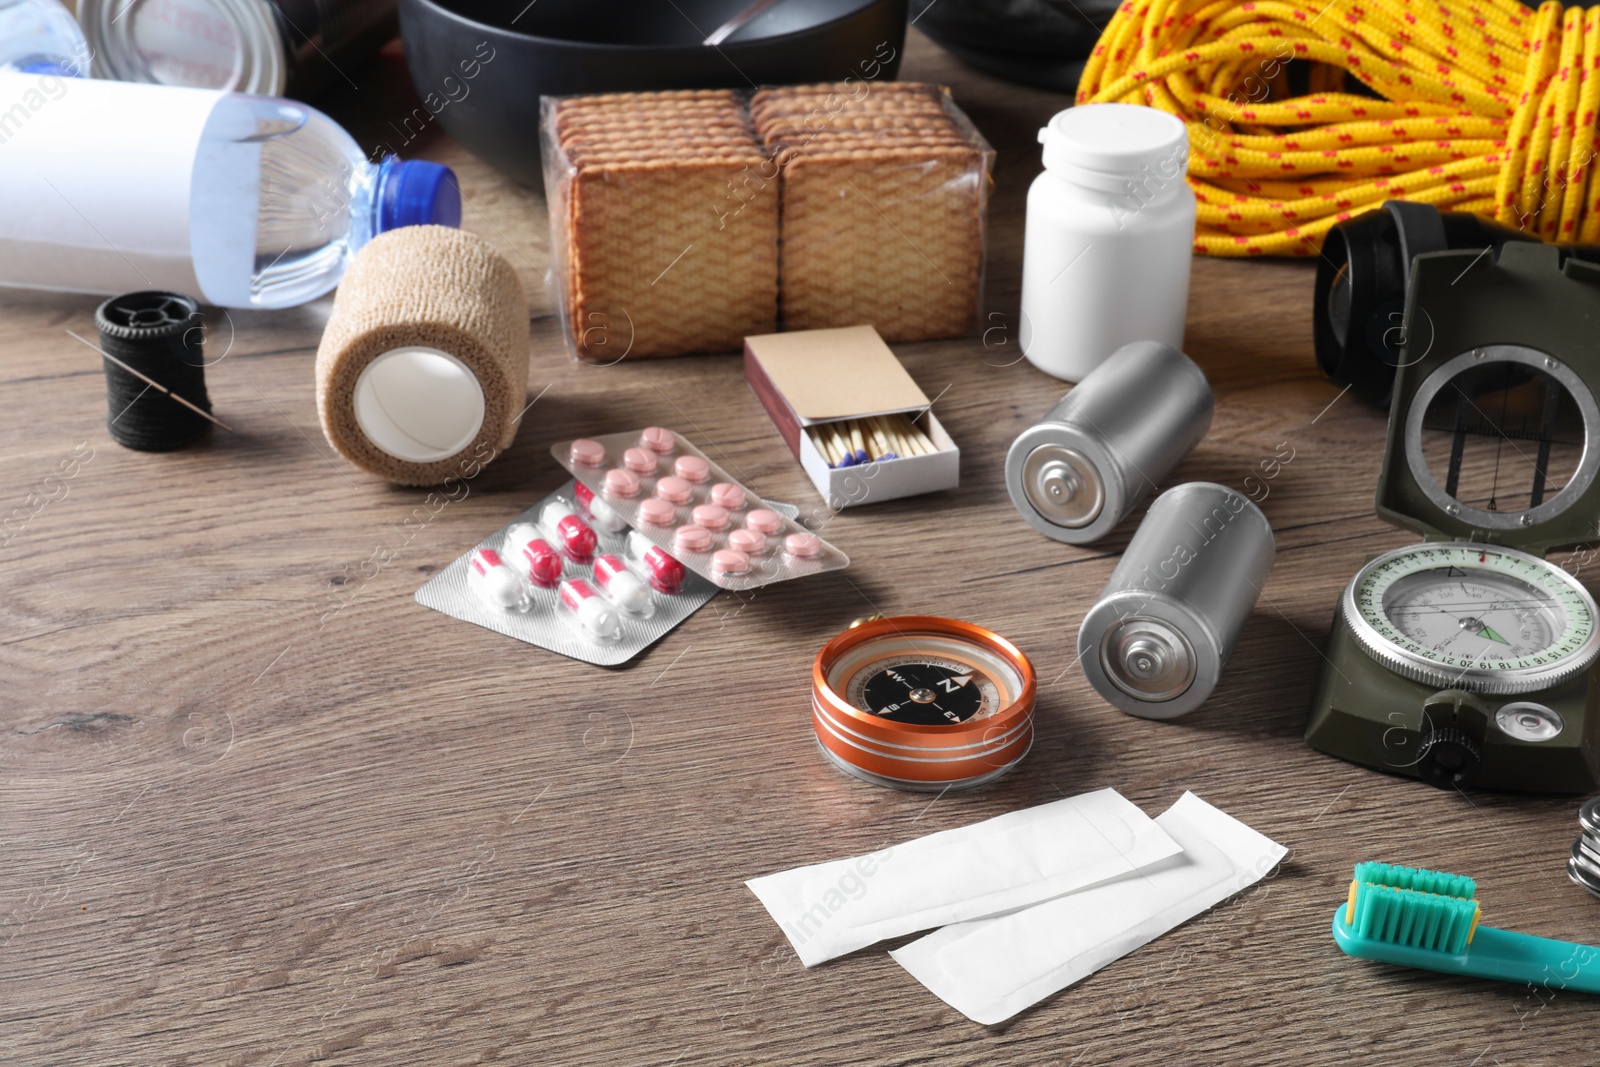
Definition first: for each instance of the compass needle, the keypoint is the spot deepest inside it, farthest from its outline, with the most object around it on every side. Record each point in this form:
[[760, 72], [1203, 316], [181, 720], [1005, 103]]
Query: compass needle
[[1488, 632]]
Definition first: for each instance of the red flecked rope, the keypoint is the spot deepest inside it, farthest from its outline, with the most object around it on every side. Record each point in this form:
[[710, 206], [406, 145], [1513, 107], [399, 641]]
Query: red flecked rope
[[1486, 107]]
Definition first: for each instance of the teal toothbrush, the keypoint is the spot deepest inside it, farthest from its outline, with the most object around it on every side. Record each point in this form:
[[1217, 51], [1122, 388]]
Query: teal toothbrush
[[1429, 919]]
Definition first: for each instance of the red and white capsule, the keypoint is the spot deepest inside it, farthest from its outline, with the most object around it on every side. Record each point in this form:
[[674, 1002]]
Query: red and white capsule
[[543, 563], [533, 555], [618, 582], [665, 573], [494, 583], [570, 533], [603, 514], [590, 610]]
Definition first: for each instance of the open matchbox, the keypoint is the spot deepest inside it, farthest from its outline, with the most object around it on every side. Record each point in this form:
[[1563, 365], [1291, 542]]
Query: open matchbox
[[813, 377]]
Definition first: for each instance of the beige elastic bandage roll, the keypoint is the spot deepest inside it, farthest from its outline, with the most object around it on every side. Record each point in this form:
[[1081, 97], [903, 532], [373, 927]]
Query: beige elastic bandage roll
[[423, 368]]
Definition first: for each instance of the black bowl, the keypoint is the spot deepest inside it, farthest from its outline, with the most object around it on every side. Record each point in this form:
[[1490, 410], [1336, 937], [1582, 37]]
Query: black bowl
[[481, 66]]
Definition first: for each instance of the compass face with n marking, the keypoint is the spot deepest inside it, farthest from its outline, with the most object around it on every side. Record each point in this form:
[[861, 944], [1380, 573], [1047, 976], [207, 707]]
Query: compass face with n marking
[[1472, 616], [928, 681]]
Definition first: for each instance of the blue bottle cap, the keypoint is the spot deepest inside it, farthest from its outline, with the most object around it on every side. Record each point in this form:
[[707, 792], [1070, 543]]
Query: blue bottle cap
[[415, 192]]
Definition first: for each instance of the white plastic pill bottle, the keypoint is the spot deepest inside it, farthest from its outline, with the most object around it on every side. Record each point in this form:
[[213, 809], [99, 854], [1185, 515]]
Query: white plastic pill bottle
[[1109, 237]]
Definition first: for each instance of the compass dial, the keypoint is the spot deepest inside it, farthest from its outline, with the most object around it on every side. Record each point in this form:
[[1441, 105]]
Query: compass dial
[[925, 680], [1475, 617]]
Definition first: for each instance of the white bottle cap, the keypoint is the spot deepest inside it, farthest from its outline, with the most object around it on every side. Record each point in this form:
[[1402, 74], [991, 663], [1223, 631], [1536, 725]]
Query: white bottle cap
[[1095, 142]]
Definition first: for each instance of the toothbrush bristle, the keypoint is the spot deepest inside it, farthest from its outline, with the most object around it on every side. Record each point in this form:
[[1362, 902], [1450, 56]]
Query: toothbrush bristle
[[1414, 918], [1422, 881]]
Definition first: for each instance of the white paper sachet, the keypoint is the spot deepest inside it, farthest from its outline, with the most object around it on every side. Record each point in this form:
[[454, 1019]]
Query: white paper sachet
[[993, 968], [1010, 861]]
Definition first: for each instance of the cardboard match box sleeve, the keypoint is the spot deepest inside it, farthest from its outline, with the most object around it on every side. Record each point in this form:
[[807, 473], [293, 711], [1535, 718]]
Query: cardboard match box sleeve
[[812, 377]]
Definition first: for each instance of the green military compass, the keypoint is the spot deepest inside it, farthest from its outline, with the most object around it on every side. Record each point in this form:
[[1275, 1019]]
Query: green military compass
[[1469, 659]]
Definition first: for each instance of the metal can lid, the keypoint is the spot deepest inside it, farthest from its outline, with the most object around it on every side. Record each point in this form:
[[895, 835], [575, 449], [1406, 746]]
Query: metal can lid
[[232, 45]]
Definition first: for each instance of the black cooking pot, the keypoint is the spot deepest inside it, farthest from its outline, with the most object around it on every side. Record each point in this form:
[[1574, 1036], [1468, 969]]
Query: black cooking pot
[[1036, 42], [480, 66]]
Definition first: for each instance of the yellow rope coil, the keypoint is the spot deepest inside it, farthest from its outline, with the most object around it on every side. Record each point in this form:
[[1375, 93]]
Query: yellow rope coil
[[1487, 107]]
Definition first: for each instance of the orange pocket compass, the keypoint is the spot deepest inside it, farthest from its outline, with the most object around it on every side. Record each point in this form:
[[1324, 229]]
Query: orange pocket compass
[[924, 703]]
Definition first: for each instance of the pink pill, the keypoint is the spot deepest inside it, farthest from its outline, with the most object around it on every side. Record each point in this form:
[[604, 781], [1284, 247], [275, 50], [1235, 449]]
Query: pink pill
[[763, 521], [727, 495], [730, 561], [674, 490], [693, 468], [637, 459], [692, 539], [588, 452], [803, 545], [656, 512], [622, 483], [658, 439], [750, 542], [711, 516]]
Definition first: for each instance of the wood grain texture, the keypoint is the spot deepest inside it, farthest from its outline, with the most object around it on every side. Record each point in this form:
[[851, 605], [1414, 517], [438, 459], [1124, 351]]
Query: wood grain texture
[[258, 807]]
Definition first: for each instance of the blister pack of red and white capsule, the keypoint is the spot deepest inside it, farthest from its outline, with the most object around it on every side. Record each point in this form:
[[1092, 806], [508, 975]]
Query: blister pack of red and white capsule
[[682, 502], [566, 576]]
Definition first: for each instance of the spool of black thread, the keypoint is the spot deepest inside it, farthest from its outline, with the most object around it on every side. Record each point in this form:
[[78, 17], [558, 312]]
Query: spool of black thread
[[159, 335]]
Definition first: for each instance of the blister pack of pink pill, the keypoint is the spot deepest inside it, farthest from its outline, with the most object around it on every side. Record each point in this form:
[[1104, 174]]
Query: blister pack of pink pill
[[566, 579], [667, 490]]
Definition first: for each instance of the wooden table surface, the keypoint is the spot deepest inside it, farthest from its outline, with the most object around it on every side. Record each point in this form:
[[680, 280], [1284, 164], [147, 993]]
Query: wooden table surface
[[259, 807]]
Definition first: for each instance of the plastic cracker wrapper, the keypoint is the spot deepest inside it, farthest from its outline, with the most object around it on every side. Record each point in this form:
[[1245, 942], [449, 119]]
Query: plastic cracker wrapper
[[885, 189], [682, 222], [648, 260]]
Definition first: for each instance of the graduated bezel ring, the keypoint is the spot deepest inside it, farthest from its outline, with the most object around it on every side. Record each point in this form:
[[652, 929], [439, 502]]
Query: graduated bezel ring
[[1489, 681], [1004, 720]]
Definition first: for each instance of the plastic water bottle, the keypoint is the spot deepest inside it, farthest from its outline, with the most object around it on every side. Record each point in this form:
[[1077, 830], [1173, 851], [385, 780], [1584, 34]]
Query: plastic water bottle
[[241, 201], [41, 37]]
